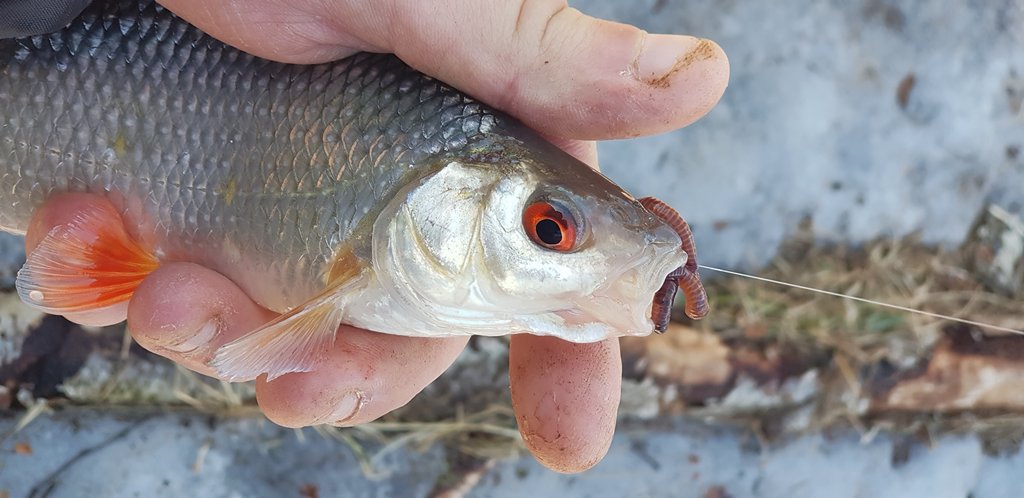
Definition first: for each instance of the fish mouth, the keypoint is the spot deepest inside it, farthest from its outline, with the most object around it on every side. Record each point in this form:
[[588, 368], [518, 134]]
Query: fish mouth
[[624, 308]]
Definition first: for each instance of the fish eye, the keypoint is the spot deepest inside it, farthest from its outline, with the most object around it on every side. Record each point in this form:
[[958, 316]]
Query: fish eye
[[550, 225]]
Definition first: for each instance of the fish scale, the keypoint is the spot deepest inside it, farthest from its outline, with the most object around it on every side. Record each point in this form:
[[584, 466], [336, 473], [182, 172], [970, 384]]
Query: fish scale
[[180, 124], [356, 192]]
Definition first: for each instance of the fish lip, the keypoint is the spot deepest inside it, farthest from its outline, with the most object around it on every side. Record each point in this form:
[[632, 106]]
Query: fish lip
[[666, 257], [659, 251], [624, 304]]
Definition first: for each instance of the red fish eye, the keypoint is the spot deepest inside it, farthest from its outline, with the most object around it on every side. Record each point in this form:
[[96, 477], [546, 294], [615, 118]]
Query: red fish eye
[[550, 225]]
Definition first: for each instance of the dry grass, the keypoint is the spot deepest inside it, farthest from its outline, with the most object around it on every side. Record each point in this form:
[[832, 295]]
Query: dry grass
[[847, 340], [488, 434], [211, 396], [900, 272]]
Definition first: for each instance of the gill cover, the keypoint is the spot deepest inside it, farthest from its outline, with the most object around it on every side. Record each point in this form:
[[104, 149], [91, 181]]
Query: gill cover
[[451, 256]]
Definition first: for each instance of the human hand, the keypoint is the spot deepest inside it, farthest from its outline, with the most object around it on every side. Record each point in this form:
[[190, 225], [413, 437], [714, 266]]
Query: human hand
[[569, 76]]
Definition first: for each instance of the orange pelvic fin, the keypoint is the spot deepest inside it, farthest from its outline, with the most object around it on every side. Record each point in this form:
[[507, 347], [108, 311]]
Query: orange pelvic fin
[[87, 264]]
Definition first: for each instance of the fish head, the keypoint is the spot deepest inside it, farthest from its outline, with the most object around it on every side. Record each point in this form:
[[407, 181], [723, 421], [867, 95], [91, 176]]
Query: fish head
[[523, 247]]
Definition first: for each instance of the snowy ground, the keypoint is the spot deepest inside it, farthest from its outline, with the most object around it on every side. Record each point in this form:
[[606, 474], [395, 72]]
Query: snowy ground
[[813, 123], [100, 454]]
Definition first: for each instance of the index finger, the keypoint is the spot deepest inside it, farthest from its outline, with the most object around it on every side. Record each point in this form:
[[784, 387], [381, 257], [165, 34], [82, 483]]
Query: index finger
[[566, 398]]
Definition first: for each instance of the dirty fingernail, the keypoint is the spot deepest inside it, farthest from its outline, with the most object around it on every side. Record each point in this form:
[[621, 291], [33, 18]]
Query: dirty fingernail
[[661, 56], [193, 343], [347, 408]]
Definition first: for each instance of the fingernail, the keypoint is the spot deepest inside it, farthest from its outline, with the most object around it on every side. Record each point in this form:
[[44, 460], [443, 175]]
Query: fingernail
[[662, 56], [347, 408], [192, 343]]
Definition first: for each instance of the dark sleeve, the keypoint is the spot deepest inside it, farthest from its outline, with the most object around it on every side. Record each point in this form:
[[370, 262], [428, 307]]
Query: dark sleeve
[[35, 17]]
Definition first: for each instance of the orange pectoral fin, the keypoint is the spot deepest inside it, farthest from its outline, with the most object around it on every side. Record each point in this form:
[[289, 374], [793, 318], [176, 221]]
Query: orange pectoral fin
[[87, 264]]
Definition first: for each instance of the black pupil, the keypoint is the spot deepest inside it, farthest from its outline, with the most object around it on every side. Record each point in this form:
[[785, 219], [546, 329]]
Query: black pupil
[[549, 232]]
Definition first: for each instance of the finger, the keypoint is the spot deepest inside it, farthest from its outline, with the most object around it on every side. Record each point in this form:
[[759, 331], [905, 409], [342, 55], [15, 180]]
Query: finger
[[299, 32], [184, 312], [560, 71], [364, 376], [584, 150], [59, 210], [565, 397]]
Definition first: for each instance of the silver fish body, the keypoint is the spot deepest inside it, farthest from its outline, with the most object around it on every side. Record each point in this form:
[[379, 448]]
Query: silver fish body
[[214, 151], [266, 172]]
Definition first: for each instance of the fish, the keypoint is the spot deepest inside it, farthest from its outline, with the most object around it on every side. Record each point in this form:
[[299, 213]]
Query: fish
[[357, 192]]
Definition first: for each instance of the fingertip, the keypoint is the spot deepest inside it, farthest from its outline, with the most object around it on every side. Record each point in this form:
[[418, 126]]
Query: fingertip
[[365, 376], [102, 317], [567, 74], [302, 399], [693, 70], [184, 312], [58, 210], [566, 399], [622, 82]]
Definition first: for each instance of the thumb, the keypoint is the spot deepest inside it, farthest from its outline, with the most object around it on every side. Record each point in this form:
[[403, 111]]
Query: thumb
[[560, 71], [563, 73]]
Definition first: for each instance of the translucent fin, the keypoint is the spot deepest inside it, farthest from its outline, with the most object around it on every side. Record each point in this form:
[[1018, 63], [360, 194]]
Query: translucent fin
[[297, 340], [87, 264], [293, 342]]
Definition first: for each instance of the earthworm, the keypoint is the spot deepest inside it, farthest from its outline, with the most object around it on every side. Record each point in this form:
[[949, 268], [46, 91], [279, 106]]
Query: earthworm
[[661, 307], [685, 278], [696, 299]]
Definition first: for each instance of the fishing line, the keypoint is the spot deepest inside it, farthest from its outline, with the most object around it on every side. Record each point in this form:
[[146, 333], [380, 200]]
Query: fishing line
[[867, 301]]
